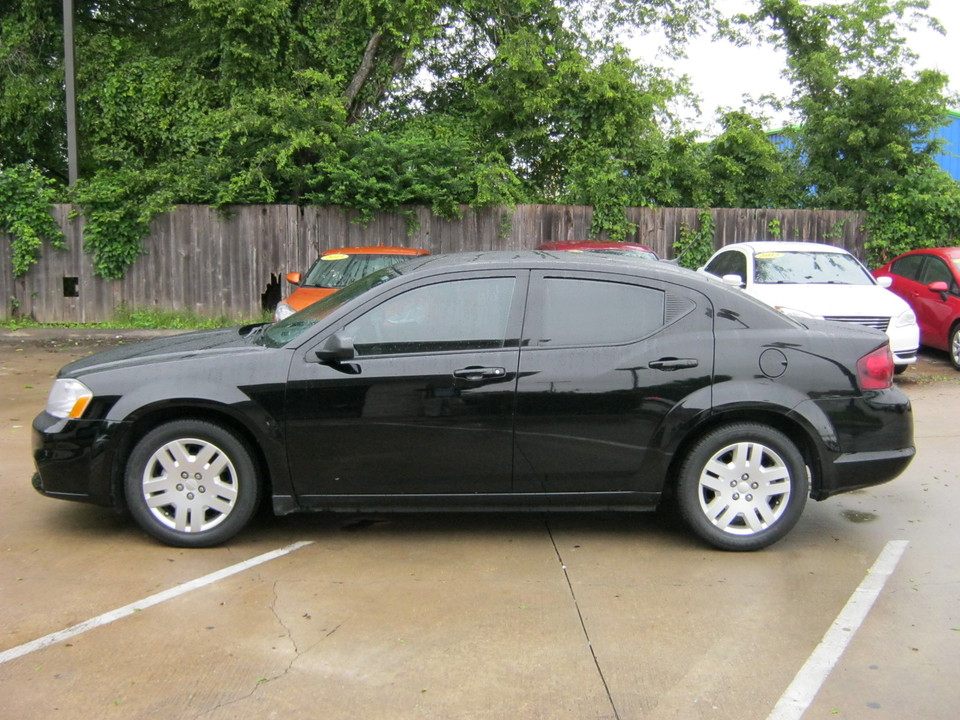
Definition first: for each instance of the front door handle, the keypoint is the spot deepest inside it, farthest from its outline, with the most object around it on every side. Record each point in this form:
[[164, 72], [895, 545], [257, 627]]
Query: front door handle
[[480, 373], [669, 364]]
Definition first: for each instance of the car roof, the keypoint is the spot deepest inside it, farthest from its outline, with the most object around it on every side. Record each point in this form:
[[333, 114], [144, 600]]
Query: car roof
[[375, 250], [552, 260], [592, 245], [948, 252], [784, 246]]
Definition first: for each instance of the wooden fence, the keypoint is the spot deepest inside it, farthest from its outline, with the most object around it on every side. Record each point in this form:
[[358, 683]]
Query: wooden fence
[[233, 264]]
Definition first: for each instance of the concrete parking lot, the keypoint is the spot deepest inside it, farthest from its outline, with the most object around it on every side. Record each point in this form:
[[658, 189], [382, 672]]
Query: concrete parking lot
[[481, 616]]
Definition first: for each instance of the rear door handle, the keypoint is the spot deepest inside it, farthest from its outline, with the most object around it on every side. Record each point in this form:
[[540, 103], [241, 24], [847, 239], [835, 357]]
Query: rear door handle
[[480, 373], [674, 363]]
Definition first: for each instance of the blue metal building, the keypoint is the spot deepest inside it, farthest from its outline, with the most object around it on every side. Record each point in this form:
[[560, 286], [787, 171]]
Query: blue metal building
[[949, 159]]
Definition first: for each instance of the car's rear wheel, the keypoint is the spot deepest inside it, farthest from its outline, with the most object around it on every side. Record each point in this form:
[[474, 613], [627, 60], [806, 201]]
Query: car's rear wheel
[[191, 483], [742, 486], [954, 346]]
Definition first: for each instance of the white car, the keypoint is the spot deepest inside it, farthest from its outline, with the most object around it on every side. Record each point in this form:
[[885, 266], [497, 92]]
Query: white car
[[813, 280]]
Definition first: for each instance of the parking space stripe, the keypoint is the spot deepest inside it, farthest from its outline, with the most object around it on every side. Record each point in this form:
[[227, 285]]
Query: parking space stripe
[[807, 683], [109, 617]]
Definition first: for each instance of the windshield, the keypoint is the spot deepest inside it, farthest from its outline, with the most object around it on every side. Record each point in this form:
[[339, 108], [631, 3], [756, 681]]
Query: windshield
[[337, 270], [281, 333], [809, 268]]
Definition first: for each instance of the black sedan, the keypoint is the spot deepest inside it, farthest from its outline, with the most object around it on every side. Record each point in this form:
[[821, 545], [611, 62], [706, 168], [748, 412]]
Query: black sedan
[[486, 381]]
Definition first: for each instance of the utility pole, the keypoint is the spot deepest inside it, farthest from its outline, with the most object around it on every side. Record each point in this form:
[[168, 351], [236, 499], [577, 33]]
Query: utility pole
[[69, 81]]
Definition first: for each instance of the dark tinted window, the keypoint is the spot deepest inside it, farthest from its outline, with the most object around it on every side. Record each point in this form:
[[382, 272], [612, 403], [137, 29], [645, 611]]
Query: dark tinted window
[[936, 270], [594, 312], [728, 263], [456, 315], [908, 267]]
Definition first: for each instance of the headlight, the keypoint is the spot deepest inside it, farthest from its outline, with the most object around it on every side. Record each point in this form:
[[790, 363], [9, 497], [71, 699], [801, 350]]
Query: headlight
[[905, 319], [68, 398], [802, 314], [283, 311]]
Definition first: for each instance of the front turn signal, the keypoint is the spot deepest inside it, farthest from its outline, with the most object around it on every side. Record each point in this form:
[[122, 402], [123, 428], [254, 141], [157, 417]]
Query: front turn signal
[[69, 398]]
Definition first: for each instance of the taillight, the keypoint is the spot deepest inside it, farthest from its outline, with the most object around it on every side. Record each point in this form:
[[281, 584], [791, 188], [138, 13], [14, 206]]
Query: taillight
[[875, 371]]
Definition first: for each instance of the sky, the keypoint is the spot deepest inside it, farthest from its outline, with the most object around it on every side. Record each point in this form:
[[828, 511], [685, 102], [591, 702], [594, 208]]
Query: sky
[[721, 73]]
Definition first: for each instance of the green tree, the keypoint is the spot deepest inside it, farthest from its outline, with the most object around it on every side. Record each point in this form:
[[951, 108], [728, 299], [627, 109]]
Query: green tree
[[923, 210], [371, 105], [746, 169], [866, 123]]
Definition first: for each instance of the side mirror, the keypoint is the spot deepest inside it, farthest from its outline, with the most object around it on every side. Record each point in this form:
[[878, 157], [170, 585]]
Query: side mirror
[[336, 348], [734, 280], [884, 281], [939, 287], [294, 278]]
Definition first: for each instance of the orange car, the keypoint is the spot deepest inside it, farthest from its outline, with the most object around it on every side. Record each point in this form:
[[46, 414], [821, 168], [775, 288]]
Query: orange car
[[338, 268]]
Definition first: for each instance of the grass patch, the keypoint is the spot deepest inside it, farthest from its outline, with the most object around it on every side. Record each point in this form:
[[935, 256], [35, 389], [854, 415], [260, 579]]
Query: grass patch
[[144, 319]]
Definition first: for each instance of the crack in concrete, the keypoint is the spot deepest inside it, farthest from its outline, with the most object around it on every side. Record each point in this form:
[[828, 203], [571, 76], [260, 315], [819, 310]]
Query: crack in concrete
[[583, 624], [266, 679], [281, 623]]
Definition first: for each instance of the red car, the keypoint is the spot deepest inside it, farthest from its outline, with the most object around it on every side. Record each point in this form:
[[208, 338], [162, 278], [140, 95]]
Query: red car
[[929, 280], [338, 268], [603, 247]]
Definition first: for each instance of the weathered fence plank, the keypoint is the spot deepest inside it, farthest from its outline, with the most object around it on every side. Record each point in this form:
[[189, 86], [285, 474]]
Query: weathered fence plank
[[233, 263]]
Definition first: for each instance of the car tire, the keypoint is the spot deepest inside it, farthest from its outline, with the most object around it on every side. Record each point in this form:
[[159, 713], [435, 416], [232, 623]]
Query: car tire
[[191, 483], [742, 486], [953, 346]]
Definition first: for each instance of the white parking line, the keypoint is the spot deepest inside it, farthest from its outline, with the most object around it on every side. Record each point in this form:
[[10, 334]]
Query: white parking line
[[130, 609], [807, 683]]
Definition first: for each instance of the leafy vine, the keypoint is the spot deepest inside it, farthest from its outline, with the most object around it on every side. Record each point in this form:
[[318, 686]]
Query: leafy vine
[[694, 247], [26, 197]]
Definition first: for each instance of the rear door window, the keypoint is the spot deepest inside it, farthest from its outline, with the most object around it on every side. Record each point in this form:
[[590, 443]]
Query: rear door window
[[576, 311]]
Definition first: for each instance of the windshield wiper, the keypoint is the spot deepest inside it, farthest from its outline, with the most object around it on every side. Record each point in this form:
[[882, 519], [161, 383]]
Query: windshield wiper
[[252, 332]]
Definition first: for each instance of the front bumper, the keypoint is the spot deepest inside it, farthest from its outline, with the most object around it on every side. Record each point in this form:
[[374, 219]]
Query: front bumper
[[904, 343], [905, 357], [74, 459]]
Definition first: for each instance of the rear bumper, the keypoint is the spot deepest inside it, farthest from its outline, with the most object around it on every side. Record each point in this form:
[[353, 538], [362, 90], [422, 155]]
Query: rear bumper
[[874, 442], [854, 471]]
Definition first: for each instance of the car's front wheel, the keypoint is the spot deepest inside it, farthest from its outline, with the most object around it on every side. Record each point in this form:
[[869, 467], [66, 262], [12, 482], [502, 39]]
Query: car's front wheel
[[191, 483], [954, 346], [742, 486]]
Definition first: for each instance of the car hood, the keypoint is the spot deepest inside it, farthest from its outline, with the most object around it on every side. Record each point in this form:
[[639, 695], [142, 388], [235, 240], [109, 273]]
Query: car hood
[[205, 342], [304, 296], [834, 300]]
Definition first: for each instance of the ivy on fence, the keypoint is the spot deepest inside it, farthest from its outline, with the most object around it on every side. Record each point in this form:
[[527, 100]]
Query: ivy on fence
[[26, 197]]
